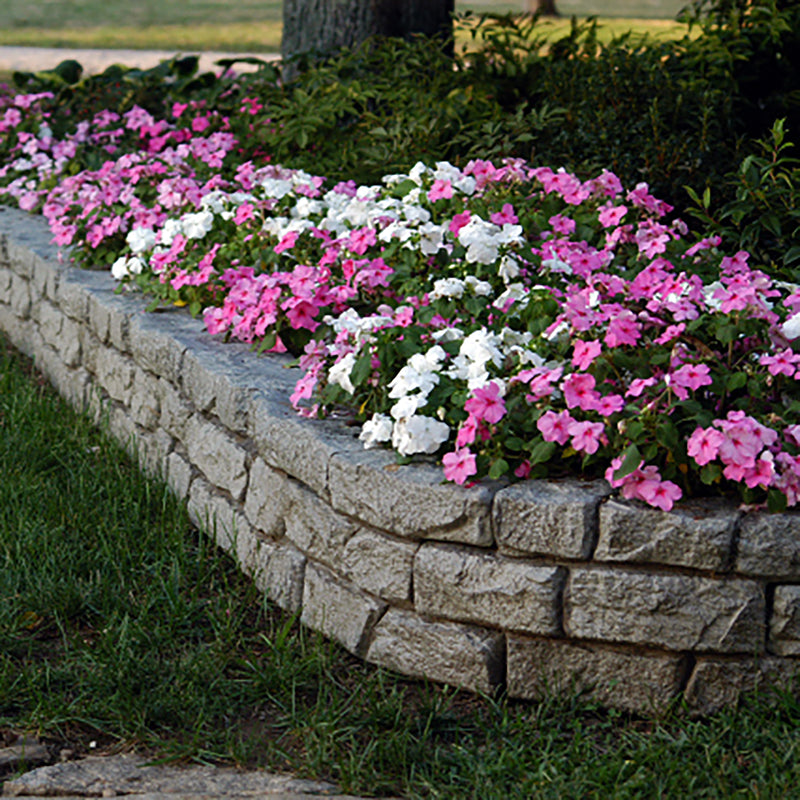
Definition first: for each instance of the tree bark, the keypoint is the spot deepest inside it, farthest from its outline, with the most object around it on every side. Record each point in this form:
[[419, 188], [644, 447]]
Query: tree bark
[[544, 8], [325, 26]]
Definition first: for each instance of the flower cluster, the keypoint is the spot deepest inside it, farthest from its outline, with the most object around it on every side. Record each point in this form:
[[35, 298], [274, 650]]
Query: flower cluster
[[511, 320]]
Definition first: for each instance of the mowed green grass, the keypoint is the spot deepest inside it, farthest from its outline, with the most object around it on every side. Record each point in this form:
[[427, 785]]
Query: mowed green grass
[[247, 25]]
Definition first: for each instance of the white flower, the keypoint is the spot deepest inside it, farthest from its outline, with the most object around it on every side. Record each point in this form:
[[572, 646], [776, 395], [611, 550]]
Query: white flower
[[417, 374], [172, 227], [431, 238], [276, 188], [480, 239], [708, 294], [555, 264], [406, 406], [447, 287], [514, 291], [197, 225], [376, 430], [141, 239], [509, 269], [419, 434], [447, 335], [479, 287], [119, 269], [339, 373], [791, 328]]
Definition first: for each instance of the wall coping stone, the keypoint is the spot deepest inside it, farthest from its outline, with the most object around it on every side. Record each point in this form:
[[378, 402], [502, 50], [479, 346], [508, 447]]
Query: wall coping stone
[[535, 587]]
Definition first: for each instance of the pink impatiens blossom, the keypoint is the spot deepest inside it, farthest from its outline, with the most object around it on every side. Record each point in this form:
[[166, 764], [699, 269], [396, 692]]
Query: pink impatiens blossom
[[487, 404], [586, 436], [554, 427], [703, 445], [585, 353], [459, 465], [441, 190]]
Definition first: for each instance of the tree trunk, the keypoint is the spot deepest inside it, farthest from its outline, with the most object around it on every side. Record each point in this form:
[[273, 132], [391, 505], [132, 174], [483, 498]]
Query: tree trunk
[[324, 26], [544, 8]]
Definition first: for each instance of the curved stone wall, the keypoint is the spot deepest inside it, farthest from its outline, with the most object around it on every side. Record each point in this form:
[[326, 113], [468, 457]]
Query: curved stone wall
[[536, 587]]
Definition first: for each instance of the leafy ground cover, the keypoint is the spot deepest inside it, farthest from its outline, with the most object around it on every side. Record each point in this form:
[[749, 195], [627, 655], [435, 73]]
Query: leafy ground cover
[[123, 626]]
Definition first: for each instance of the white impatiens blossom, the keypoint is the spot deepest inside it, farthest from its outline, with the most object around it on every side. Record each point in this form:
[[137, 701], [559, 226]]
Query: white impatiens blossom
[[419, 434], [198, 224], [481, 240], [447, 287], [407, 406], [431, 238], [478, 287], [339, 373], [445, 171], [508, 269], [172, 228], [477, 351], [125, 266], [376, 430], [791, 328], [514, 291], [419, 374], [714, 303], [140, 240]]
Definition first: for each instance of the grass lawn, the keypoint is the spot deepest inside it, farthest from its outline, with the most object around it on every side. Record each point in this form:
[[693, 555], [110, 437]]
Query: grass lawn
[[250, 25], [121, 624]]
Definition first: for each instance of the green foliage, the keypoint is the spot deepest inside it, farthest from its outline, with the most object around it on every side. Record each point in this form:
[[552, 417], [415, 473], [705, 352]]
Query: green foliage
[[763, 215]]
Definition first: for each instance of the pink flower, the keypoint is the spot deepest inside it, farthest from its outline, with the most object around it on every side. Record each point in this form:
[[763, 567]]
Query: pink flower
[[487, 404], [361, 239], [578, 388], [638, 385], [523, 470], [703, 445], [609, 404], [459, 221], [555, 427], [505, 217], [586, 436], [441, 190], [585, 353], [784, 363], [611, 215], [689, 376], [662, 494], [287, 242], [459, 465], [622, 329]]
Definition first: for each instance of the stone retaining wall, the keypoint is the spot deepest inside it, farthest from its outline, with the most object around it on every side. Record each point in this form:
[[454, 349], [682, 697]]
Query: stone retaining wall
[[535, 587]]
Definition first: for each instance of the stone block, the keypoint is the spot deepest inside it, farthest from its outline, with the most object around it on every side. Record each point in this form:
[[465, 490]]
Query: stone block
[[72, 296], [5, 284], [217, 455], [487, 589], [460, 655], [50, 320], [17, 330], [278, 570], [411, 501], [123, 429], [338, 610], [70, 344], [784, 623], [20, 296], [300, 447], [315, 528], [769, 545], [175, 411], [697, 534], [154, 348], [379, 564], [153, 450], [145, 407], [178, 474], [267, 499], [115, 374], [20, 257], [630, 680], [555, 518], [217, 516], [717, 683], [673, 611], [45, 278], [99, 315]]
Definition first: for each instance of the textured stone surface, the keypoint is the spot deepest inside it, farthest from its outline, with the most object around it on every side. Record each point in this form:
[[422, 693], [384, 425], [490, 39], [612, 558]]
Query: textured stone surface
[[678, 612], [769, 545], [300, 447], [217, 455], [178, 474], [695, 534], [314, 527], [20, 296], [470, 586], [278, 570], [456, 654], [26, 752], [629, 680], [175, 412], [338, 610], [144, 404], [718, 683], [72, 296], [99, 776], [114, 373], [412, 501], [267, 498], [784, 624], [154, 348], [70, 344], [557, 518], [380, 564]]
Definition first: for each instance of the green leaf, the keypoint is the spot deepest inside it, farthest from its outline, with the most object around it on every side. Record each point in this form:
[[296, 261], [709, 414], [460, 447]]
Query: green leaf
[[736, 381], [711, 473], [362, 369], [498, 469], [542, 452], [631, 460], [268, 342], [776, 501]]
